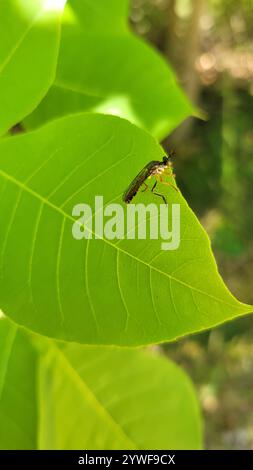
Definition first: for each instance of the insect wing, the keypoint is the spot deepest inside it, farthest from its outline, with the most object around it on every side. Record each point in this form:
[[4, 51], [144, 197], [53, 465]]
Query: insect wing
[[138, 181]]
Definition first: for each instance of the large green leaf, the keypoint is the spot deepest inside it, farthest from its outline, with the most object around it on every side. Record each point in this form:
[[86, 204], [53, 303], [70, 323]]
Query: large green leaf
[[92, 398], [29, 41], [97, 291], [104, 67]]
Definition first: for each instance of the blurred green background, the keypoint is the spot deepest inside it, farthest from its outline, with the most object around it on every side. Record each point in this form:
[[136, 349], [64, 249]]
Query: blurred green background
[[210, 45]]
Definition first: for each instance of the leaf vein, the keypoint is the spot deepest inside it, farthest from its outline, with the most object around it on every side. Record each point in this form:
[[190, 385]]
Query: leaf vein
[[77, 167], [86, 185], [58, 265], [93, 311], [121, 292]]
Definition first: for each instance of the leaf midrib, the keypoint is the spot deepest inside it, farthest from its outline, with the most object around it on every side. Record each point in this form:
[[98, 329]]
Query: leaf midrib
[[69, 217]]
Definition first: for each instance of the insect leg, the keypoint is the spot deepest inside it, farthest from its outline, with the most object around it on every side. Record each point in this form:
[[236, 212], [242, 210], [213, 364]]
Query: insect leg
[[146, 187], [162, 196], [153, 187], [169, 172], [158, 194], [169, 184]]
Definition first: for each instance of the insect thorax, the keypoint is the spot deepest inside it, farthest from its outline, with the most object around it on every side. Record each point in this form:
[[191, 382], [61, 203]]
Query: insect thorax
[[160, 168]]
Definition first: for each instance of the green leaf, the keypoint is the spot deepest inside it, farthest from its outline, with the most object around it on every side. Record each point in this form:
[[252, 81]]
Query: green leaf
[[103, 67], [29, 42], [95, 398], [108, 16], [18, 407], [97, 291]]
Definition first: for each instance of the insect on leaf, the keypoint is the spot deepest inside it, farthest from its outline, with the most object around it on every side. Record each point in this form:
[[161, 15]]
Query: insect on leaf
[[98, 291]]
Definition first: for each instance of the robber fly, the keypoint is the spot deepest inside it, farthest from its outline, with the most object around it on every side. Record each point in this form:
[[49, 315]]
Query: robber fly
[[154, 168]]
